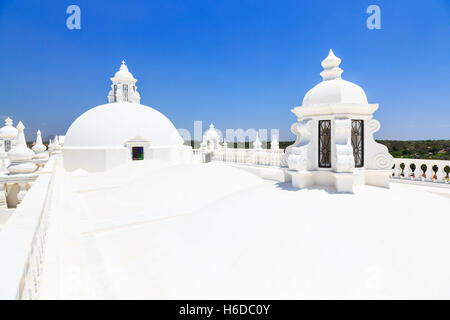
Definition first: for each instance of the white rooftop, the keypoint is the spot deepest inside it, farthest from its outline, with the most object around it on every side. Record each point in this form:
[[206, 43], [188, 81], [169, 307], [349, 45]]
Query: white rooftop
[[186, 236]]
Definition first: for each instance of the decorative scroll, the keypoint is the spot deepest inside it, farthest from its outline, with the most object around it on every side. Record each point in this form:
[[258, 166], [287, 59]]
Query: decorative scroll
[[296, 155], [377, 156]]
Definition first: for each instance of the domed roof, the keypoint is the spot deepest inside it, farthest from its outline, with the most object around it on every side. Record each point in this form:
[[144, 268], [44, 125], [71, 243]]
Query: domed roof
[[123, 73], [113, 124], [8, 132], [334, 89], [212, 133]]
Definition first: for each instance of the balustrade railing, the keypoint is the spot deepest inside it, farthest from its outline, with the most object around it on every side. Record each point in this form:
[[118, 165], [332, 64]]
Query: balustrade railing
[[23, 238], [422, 170], [437, 171], [264, 157]]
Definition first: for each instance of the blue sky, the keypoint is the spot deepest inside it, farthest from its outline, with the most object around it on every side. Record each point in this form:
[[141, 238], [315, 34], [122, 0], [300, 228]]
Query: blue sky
[[239, 64]]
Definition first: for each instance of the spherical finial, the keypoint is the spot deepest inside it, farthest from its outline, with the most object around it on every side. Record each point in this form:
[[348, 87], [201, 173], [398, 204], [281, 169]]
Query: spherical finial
[[331, 67]]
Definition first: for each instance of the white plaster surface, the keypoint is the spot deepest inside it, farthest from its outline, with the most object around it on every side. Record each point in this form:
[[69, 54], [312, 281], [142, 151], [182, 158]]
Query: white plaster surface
[[155, 229], [113, 124]]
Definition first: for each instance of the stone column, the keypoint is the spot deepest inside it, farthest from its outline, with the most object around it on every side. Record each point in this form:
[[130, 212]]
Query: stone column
[[343, 153]]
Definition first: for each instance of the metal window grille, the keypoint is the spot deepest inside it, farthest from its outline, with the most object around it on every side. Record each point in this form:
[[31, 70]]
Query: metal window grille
[[358, 142], [324, 143]]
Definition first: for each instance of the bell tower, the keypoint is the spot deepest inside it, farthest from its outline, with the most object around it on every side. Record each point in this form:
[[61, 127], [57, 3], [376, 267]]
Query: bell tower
[[123, 87]]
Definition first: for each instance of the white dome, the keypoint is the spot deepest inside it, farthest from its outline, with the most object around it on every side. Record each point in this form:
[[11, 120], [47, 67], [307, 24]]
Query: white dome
[[8, 132], [123, 73], [212, 133], [335, 91], [113, 124]]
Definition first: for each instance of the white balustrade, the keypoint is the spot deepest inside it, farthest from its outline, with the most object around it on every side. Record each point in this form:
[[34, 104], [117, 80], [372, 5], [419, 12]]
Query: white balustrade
[[436, 171], [22, 239], [263, 157]]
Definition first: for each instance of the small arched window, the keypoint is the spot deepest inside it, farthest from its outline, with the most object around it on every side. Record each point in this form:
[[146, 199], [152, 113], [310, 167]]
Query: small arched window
[[125, 92], [324, 143], [358, 142], [7, 145]]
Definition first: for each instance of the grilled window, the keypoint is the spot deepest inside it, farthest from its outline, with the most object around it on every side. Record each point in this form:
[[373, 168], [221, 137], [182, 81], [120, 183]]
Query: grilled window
[[7, 145], [324, 143], [358, 142], [115, 93], [125, 92]]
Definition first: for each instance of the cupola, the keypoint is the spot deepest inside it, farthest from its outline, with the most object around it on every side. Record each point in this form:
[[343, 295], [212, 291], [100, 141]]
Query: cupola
[[123, 87]]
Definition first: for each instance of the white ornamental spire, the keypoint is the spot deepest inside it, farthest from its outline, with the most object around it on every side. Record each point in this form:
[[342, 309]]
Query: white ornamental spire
[[274, 143], [257, 144], [39, 146], [224, 143], [56, 148], [20, 156], [41, 156], [331, 68]]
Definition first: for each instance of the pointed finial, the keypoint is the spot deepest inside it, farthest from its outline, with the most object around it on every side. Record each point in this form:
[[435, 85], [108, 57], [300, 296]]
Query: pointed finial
[[331, 67], [274, 143], [20, 126], [257, 143], [123, 66], [211, 126], [20, 155], [39, 146], [8, 121]]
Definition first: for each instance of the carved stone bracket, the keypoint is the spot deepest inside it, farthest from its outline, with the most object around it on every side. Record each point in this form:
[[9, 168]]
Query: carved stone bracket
[[297, 154], [377, 155]]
